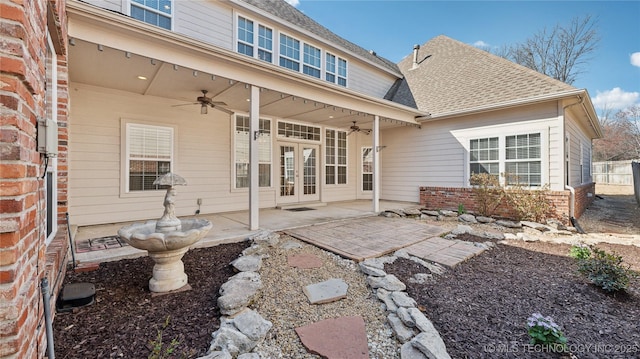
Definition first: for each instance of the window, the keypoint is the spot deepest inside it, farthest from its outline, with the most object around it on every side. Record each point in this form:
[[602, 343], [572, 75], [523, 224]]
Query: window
[[335, 157], [149, 155], [484, 156], [585, 163], [523, 164], [289, 52], [311, 61], [342, 72], [245, 36], [298, 131], [154, 12], [367, 169], [330, 70], [51, 106], [242, 138], [265, 43]]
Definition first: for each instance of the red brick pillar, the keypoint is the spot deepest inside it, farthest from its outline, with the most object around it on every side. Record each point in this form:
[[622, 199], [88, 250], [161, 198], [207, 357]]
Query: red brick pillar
[[25, 258]]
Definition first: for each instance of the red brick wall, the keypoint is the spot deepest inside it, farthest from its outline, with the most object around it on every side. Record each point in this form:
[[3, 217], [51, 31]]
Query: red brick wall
[[450, 197], [24, 257], [585, 195]]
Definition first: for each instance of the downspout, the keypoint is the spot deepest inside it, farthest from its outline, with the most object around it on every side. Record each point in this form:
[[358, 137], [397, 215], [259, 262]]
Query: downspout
[[572, 191]]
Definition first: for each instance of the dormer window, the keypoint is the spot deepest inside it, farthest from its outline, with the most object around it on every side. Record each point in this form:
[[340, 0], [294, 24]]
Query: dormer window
[[289, 52], [157, 12]]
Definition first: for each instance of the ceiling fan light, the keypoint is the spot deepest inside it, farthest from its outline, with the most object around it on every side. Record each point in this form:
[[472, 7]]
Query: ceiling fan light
[[203, 109]]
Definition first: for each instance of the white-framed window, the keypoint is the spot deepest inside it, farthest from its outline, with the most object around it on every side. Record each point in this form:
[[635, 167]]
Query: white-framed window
[[154, 12], [245, 36], [242, 137], [484, 156], [367, 169], [298, 131], [265, 43], [342, 72], [289, 52], [523, 159], [335, 157], [51, 108], [149, 155], [311, 61]]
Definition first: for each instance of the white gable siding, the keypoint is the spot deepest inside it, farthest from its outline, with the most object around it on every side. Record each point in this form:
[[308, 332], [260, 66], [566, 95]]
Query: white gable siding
[[437, 154], [209, 22], [368, 81], [202, 155]]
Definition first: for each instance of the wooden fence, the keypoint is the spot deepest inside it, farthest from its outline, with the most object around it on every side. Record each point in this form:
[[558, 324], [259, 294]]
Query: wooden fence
[[613, 172]]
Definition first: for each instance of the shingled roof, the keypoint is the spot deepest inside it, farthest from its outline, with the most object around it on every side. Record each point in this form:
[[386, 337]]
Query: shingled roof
[[453, 77], [281, 9]]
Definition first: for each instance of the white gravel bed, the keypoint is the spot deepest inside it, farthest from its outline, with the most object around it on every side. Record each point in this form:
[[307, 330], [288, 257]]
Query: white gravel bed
[[284, 303]]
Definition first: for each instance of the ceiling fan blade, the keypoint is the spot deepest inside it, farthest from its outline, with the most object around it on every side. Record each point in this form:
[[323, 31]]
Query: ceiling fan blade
[[367, 131], [186, 104], [217, 103], [228, 112]]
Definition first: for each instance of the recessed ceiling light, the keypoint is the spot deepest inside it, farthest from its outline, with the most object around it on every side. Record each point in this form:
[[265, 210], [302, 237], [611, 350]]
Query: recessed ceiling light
[[248, 100], [330, 116], [141, 77]]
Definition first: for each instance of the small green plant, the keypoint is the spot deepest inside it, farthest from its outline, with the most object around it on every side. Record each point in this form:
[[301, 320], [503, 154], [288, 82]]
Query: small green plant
[[543, 330], [487, 192], [158, 349], [606, 270], [461, 209], [580, 252]]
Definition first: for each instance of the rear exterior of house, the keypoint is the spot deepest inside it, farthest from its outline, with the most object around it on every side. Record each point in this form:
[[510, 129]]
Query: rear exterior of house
[[292, 115]]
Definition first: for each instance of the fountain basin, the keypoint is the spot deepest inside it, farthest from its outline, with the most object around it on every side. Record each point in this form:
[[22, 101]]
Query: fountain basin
[[166, 249]]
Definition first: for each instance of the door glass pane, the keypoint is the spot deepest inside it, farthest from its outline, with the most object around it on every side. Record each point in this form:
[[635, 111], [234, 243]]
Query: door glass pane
[[287, 171], [309, 170]]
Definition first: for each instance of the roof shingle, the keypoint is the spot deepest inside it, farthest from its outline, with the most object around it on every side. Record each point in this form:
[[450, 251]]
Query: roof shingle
[[453, 76]]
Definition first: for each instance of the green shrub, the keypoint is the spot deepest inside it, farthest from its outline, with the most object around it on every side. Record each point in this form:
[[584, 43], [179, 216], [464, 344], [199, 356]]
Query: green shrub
[[543, 330], [580, 251], [487, 192], [528, 204], [606, 270]]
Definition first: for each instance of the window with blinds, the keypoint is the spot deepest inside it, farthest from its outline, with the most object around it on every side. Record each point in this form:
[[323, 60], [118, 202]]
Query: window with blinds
[[150, 155], [242, 152]]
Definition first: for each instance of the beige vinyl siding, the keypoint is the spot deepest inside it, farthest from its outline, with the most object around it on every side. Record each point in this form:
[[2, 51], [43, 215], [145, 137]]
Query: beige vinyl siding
[[437, 154], [113, 5], [577, 137], [207, 21], [367, 80], [202, 153]]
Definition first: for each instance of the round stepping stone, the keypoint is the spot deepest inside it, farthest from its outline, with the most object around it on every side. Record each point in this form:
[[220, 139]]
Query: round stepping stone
[[304, 261]]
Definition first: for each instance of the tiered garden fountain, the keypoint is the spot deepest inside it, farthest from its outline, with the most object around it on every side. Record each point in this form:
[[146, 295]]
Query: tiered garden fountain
[[166, 239]]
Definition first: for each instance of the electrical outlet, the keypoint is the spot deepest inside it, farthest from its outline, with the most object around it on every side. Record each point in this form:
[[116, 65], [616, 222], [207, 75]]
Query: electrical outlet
[[199, 201]]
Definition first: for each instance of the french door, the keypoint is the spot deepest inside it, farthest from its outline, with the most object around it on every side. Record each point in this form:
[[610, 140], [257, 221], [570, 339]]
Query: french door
[[298, 173]]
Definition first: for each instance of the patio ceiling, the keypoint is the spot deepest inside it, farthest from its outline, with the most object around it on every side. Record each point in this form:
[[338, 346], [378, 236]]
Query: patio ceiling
[[99, 65]]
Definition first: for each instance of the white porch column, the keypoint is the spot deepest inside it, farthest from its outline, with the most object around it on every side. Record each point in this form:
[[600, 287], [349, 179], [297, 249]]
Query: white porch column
[[376, 163], [254, 184]]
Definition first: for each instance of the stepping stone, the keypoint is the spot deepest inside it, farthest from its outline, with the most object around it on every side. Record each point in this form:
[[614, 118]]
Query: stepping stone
[[304, 261], [327, 291], [336, 338]]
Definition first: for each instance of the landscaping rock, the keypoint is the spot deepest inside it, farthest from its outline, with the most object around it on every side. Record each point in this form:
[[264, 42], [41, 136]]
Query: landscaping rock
[[431, 213], [251, 263], [508, 224], [249, 356], [537, 226], [402, 299], [483, 219], [221, 354], [385, 296], [326, 292], [408, 351], [461, 229], [388, 282], [268, 237], [231, 340], [420, 278], [468, 218], [510, 236], [405, 317], [238, 292], [431, 344], [255, 250], [389, 214], [291, 245], [448, 213], [252, 324], [372, 271], [489, 235], [412, 212], [401, 331]]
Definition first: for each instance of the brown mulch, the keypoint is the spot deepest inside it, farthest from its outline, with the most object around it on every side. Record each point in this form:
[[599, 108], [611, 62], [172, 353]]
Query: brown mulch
[[480, 307], [126, 317]]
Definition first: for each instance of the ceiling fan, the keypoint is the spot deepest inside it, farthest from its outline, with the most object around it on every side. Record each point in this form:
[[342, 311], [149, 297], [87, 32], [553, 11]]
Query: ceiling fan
[[356, 128], [205, 101]]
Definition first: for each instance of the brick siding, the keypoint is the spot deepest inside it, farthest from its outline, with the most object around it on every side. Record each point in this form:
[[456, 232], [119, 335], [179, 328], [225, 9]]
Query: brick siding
[[24, 257], [436, 198]]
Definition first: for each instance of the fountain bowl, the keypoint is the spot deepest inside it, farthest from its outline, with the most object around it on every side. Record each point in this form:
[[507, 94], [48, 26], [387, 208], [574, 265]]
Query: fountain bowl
[[166, 248]]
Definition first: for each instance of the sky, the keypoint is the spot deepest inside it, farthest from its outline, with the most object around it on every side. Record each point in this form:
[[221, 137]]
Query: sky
[[392, 27]]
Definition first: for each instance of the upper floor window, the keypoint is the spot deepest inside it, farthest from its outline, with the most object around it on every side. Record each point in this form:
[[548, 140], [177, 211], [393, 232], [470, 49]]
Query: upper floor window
[[336, 69], [311, 61], [149, 155], [155, 12], [265, 43], [289, 52], [245, 36]]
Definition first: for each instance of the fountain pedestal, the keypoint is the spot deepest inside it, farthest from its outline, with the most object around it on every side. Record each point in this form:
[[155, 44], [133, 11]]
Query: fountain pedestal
[[168, 272]]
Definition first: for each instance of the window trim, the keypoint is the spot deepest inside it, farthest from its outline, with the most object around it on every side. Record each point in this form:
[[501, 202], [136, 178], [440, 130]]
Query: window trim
[[52, 168], [234, 187], [239, 41], [363, 172], [124, 157], [130, 3]]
